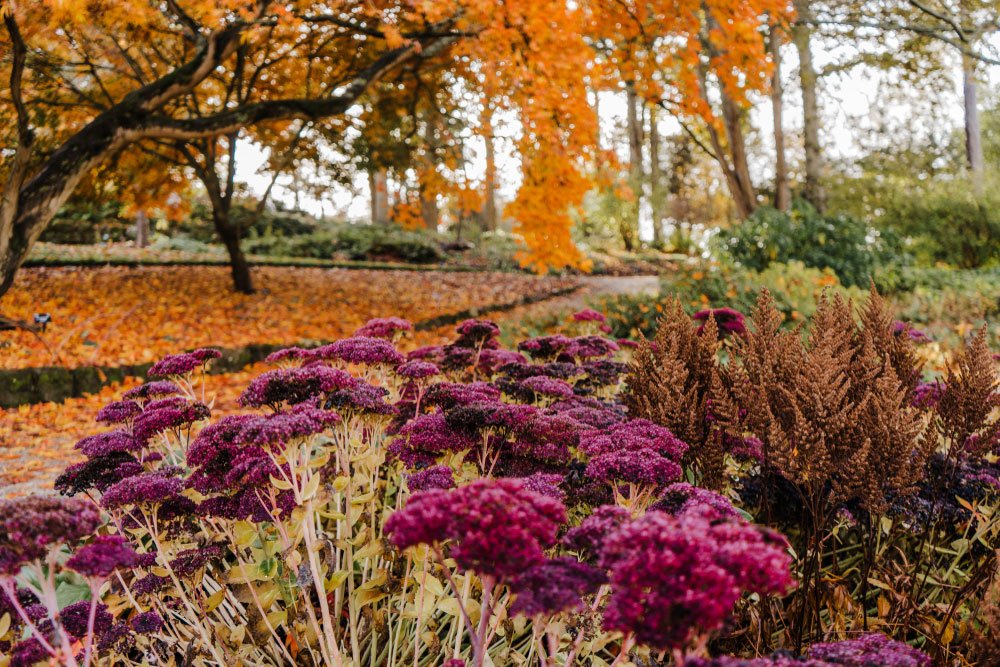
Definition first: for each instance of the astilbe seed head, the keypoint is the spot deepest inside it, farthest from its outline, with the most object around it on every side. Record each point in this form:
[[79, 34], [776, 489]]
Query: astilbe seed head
[[294, 385], [384, 327], [360, 350], [29, 526], [554, 586], [102, 556], [182, 364], [496, 528]]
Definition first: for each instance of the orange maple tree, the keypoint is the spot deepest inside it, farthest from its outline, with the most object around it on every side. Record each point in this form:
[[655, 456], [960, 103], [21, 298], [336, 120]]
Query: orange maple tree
[[91, 78]]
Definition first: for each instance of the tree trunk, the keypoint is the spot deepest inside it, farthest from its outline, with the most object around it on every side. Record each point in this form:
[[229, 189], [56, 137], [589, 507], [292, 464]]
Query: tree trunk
[[973, 133], [745, 195], [230, 236], [429, 210], [630, 227], [782, 190], [656, 189], [141, 229], [379, 190], [813, 187], [490, 202]]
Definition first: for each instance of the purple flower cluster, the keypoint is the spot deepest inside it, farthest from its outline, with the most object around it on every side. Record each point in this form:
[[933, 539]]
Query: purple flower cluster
[[294, 385], [31, 525], [433, 477], [118, 412], [360, 350], [728, 320], [541, 385], [906, 329], [182, 364], [103, 556], [149, 488], [683, 497], [554, 586], [869, 650], [497, 528], [634, 452], [672, 576], [155, 389], [417, 370], [384, 327], [589, 315]]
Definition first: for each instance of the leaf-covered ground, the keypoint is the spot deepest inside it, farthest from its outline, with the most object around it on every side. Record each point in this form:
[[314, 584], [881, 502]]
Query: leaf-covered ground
[[117, 315]]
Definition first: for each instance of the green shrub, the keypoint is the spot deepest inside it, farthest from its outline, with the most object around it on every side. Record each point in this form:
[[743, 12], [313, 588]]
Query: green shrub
[[948, 224], [844, 244]]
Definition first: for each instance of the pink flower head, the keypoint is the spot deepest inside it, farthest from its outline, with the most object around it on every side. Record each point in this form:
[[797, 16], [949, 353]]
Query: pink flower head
[[554, 586], [449, 394], [674, 576], [645, 467], [102, 556], [590, 347], [589, 315], [151, 390], [384, 327], [496, 528], [588, 537], [545, 347], [182, 364], [30, 525], [149, 488], [287, 353], [870, 649], [433, 477], [280, 428], [476, 333], [906, 329], [103, 444], [417, 370], [541, 385], [360, 350], [683, 497], [118, 412], [294, 385], [728, 320], [155, 420]]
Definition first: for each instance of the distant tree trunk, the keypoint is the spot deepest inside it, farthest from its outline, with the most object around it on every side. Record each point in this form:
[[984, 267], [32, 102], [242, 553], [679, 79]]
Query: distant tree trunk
[[813, 188], [141, 229], [230, 235], [630, 228], [379, 190], [744, 193], [597, 119], [656, 189], [429, 210], [973, 133], [489, 217], [782, 189]]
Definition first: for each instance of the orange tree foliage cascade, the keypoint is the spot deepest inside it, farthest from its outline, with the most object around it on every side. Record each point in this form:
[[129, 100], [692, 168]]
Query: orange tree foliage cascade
[[313, 61]]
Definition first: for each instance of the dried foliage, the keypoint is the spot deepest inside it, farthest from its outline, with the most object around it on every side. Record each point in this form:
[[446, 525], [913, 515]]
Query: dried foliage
[[969, 398], [675, 381]]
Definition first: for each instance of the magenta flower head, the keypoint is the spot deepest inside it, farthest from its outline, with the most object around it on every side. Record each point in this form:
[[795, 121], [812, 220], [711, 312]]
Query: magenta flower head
[[97, 472], [384, 327], [449, 394], [633, 435], [871, 649], [589, 536], [294, 385], [424, 438], [433, 477], [591, 347], [545, 347], [554, 586], [475, 333], [105, 443], [728, 320], [151, 488], [683, 497], [540, 385], [927, 395], [497, 528], [901, 329], [417, 370], [102, 556], [360, 350], [296, 353], [674, 576], [589, 315], [182, 364], [280, 428], [154, 389], [644, 467], [29, 526], [118, 412], [155, 420]]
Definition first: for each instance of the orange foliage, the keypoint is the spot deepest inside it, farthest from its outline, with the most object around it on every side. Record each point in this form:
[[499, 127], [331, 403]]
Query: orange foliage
[[115, 316]]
